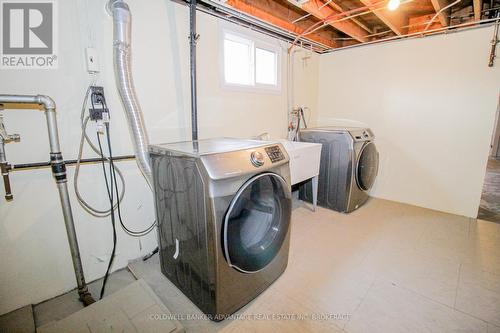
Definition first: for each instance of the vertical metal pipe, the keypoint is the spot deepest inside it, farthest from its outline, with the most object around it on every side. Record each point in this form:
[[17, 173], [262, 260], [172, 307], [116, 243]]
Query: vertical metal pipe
[[192, 52], [494, 43], [62, 186], [50, 115], [59, 173]]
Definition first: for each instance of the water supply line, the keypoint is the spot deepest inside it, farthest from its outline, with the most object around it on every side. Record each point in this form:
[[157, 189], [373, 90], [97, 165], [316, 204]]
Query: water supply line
[[439, 13], [4, 165], [193, 39], [122, 21], [494, 42], [59, 173]]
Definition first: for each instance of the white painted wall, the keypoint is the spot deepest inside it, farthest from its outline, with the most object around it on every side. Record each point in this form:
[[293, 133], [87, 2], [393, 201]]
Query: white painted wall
[[431, 103], [35, 262]]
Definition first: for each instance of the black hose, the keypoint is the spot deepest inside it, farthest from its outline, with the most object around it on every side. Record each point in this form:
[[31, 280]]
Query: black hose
[[113, 175], [303, 117], [112, 215], [152, 253]]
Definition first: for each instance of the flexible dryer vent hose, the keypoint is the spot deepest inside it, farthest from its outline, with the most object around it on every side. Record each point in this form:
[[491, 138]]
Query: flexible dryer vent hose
[[123, 74]]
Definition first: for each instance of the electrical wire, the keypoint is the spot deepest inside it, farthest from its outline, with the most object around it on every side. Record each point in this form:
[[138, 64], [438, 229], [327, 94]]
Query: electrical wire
[[111, 185], [114, 170], [113, 175], [113, 222], [85, 138], [439, 13]]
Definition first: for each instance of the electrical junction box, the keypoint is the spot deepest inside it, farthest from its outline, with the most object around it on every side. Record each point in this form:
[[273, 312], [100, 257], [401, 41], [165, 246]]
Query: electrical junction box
[[92, 60]]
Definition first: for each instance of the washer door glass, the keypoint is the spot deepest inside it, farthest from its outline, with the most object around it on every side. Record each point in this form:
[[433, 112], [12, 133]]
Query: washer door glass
[[367, 166], [256, 223]]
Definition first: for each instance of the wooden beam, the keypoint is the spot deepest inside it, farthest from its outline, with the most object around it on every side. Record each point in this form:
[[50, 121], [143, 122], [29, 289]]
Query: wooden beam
[[341, 8], [418, 23], [444, 16], [478, 5], [395, 20], [317, 9], [261, 9]]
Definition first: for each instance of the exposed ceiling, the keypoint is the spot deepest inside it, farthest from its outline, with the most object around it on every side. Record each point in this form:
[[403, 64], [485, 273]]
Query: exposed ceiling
[[340, 23]]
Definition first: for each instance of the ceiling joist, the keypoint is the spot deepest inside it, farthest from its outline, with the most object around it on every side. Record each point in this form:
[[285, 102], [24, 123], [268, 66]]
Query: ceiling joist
[[395, 20], [444, 16], [478, 5], [318, 9], [338, 6], [277, 16], [341, 23]]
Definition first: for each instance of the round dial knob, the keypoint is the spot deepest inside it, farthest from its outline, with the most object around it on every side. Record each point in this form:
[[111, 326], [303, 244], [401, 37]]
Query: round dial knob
[[257, 159]]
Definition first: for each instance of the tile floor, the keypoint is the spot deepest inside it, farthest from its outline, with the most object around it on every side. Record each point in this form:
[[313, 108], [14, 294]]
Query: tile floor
[[62, 306], [396, 268], [489, 208], [128, 310], [387, 267]]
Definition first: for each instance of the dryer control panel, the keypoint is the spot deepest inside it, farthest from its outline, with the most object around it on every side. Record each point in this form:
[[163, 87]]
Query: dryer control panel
[[362, 134], [275, 154]]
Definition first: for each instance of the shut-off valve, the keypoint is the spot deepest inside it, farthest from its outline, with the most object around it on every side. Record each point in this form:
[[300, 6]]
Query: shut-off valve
[[4, 165]]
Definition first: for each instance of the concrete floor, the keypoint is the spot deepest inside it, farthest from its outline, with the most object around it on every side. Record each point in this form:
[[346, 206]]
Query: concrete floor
[[489, 208], [387, 267]]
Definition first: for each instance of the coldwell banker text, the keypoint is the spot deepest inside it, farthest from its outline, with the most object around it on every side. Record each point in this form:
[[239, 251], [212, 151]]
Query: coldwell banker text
[[28, 35]]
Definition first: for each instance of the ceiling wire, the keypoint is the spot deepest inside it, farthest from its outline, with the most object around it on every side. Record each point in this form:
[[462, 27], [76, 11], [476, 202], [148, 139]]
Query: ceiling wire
[[327, 21], [317, 26], [301, 18], [428, 24], [325, 4], [439, 12]]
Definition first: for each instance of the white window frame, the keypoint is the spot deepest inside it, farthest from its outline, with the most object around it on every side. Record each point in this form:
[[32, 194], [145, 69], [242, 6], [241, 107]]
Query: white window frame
[[256, 41]]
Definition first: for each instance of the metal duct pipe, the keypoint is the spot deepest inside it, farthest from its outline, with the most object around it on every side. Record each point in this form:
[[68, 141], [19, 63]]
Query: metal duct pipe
[[59, 173], [122, 21], [193, 37]]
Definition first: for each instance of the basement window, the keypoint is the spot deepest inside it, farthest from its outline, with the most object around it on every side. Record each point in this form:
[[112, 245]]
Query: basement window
[[249, 63]]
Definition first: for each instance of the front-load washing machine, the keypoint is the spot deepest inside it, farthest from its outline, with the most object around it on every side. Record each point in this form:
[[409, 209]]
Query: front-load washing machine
[[223, 208], [348, 166]]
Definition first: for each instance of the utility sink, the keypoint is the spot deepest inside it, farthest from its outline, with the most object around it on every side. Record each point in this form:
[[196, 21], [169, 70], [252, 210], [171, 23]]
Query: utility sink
[[304, 162]]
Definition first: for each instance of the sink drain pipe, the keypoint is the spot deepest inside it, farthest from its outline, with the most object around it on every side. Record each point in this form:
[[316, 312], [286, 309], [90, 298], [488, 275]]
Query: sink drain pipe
[[59, 173]]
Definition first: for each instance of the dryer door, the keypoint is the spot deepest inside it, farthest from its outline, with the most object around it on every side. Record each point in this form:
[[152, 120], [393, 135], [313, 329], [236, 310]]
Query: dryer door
[[367, 166], [256, 223]]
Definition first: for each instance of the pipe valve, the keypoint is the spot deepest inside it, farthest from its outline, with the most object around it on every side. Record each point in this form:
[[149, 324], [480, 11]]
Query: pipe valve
[[4, 165]]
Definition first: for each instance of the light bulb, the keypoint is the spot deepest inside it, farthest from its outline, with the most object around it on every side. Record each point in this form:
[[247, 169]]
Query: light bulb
[[393, 4]]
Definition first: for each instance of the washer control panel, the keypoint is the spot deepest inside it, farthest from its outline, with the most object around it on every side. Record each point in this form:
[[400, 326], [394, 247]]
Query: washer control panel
[[275, 154], [257, 159]]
